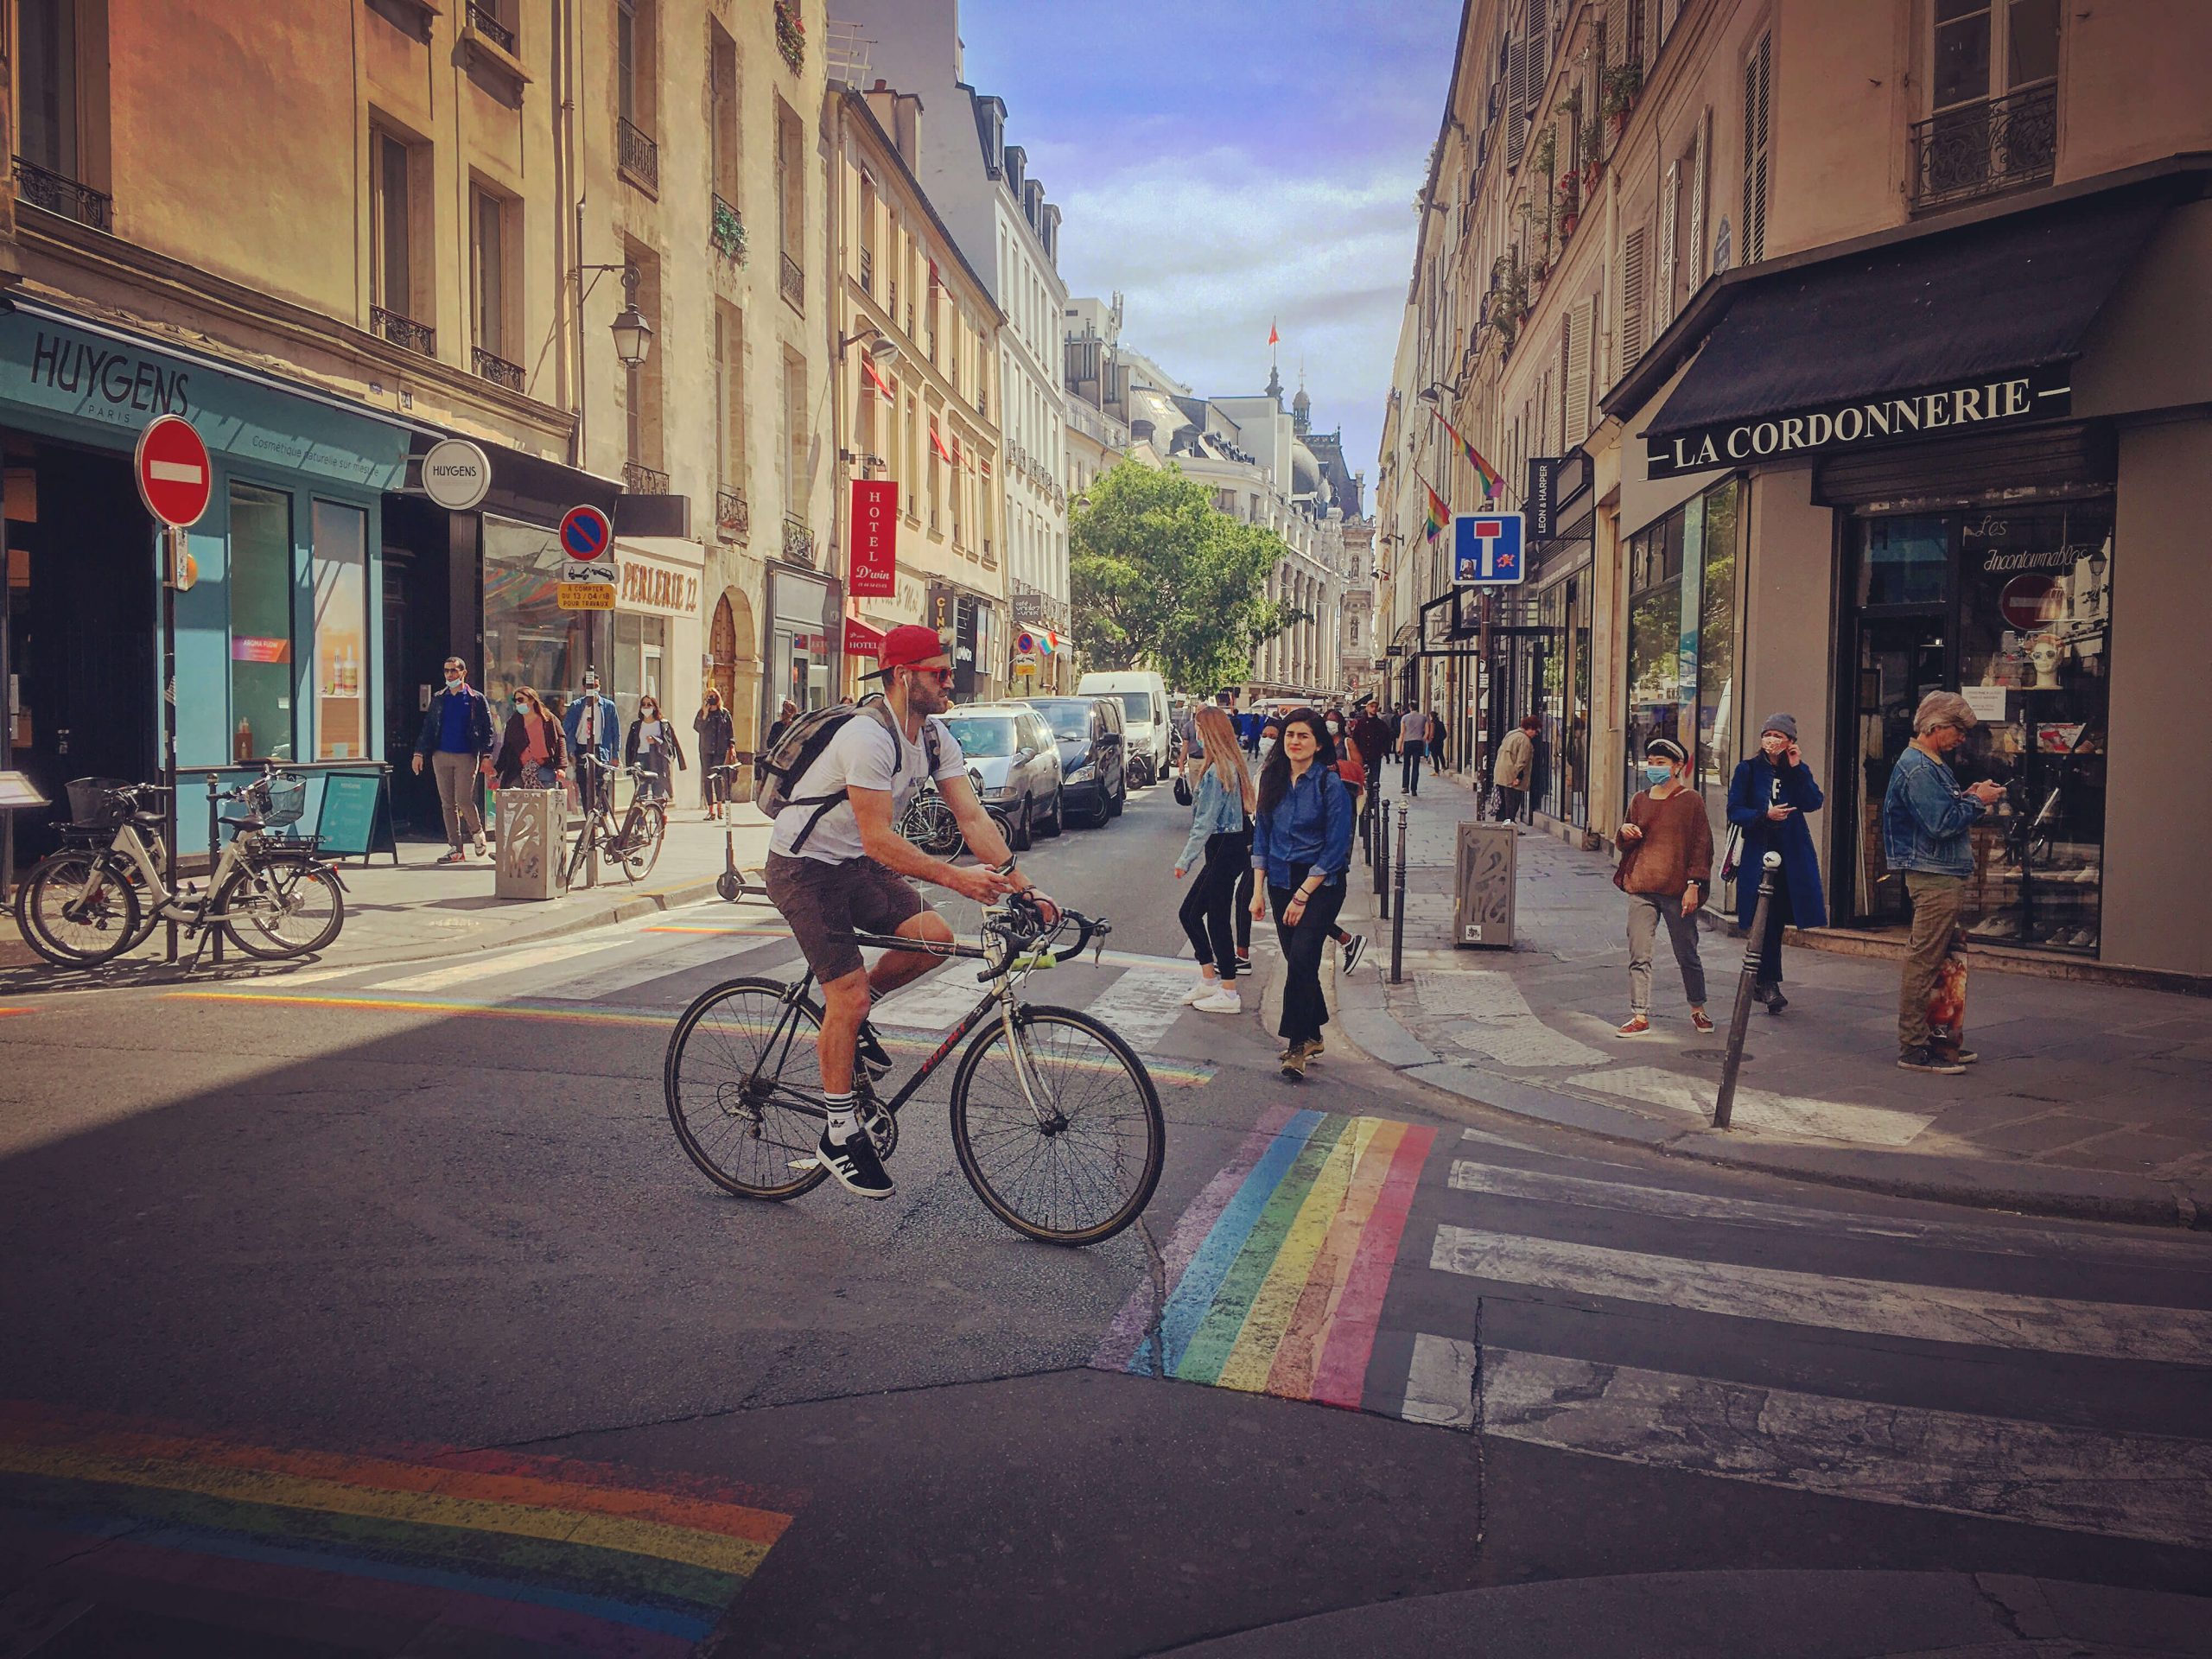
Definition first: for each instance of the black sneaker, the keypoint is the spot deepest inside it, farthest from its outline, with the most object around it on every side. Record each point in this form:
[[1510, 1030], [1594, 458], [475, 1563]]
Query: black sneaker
[[1927, 1059], [868, 1050], [1354, 948], [854, 1166]]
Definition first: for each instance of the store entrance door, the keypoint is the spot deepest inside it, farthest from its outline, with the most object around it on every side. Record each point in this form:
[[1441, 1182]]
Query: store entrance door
[[1899, 659]]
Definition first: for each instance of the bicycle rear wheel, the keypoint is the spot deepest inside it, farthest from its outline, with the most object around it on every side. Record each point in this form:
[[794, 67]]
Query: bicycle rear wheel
[[641, 843], [1078, 1165], [744, 1088], [79, 910], [294, 908]]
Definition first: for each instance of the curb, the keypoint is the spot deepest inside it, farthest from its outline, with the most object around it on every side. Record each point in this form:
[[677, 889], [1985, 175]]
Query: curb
[[650, 901], [2038, 1190]]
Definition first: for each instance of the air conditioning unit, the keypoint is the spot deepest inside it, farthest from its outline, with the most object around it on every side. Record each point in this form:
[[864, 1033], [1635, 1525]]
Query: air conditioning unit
[[1484, 869]]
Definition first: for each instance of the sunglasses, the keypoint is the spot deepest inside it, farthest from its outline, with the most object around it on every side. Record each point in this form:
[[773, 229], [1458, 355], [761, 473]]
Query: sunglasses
[[941, 675]]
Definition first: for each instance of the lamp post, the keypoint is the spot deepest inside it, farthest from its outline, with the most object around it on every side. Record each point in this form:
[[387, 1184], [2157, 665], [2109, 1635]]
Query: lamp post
[[633, 344]]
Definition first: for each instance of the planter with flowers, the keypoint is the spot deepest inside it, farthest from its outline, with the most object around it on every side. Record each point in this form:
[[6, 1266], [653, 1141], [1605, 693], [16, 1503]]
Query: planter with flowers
[[1570, 204], [1623, 82], [790, 34], [1593, 153]]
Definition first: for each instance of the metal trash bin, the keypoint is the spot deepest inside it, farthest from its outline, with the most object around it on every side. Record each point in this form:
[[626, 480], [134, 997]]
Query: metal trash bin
[[527, 863], [1484, 868]]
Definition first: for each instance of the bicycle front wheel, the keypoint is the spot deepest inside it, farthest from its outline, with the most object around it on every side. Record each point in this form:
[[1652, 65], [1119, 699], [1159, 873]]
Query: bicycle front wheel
[[1065, 1147], [78, 909], [744, 1088], [285, 906], [641, 843]]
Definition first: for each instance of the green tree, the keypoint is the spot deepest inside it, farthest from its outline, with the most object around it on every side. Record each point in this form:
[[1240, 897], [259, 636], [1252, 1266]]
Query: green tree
[[1162, 578]]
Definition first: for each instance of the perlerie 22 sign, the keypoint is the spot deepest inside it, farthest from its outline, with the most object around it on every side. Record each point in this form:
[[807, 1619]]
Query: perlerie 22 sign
[[1486, 549]]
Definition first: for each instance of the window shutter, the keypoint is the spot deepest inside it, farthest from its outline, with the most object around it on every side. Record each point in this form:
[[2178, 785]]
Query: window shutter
[[1631, 298], [1578, 322], [1757, 86], [1517, 103], [1537, 67], [1695, 252], [1663, 294], [1649, 29], [1617, 25]]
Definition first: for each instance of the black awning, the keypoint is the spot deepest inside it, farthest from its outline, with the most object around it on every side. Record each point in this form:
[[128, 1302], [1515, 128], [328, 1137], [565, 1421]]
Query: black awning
[[2000, 297]]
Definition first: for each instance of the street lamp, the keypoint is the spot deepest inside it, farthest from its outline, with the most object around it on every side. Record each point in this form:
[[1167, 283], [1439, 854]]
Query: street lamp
[[633, 335], [882, 350]]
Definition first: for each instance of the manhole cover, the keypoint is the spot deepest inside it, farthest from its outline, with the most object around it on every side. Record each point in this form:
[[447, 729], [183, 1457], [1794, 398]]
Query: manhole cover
[[1713, 1054]]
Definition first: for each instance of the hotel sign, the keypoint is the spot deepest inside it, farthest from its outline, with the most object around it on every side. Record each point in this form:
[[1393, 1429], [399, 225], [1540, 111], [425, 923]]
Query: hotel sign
[[2011, 400]]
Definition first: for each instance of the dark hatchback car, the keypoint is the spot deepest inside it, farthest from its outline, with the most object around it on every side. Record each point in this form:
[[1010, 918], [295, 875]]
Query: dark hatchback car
[[1093, 754]]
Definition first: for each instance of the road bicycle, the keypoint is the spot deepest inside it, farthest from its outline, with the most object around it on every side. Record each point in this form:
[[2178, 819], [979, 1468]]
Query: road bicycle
[[272, 896], [1055, 1121], [634, 844]]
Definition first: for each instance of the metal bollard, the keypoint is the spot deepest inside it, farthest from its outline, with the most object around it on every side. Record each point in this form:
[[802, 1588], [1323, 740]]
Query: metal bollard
[[1398, 910], [1725, 1106], [1383, 863]]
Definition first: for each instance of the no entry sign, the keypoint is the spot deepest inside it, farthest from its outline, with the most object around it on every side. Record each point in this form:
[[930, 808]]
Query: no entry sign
[[586, 533], [175, 479]]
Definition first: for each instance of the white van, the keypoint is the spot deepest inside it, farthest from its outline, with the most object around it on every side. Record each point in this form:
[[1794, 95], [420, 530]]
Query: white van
[[1143, 698]]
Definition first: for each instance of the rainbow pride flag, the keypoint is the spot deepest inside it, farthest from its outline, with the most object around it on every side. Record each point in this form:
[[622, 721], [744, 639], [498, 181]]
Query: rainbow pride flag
[[546, 1552], [1439, 513], [1276, 1273], [1491, 479]]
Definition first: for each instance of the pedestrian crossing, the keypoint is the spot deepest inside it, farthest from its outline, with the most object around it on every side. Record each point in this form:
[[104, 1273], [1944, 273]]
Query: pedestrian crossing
[[2041, 1374]]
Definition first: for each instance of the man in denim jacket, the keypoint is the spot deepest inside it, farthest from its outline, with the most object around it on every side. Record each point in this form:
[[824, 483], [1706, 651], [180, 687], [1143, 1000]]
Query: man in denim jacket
[[1925, 818]]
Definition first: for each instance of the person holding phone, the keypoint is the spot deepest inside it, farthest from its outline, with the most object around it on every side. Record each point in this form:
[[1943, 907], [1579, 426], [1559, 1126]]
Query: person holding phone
[[1768, 799]]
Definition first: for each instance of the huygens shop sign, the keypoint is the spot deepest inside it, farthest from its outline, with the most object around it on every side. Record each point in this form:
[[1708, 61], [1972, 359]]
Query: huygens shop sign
[[2039, 394]]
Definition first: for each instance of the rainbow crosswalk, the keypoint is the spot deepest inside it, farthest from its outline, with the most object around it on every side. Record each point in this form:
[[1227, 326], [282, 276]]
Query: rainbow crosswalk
[[548, 1553], [1276, 1273]]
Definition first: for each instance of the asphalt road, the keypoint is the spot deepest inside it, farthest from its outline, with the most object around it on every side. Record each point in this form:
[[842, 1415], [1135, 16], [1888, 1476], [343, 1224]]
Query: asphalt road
[[376, 1311]]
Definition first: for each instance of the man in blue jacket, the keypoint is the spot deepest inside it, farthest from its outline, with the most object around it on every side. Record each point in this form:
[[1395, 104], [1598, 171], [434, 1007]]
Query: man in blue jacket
[[457, 735], [1925, 820], [593, 728]]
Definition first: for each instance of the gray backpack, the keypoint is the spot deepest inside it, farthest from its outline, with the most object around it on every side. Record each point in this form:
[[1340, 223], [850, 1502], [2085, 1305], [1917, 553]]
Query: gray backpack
[[804, 741]]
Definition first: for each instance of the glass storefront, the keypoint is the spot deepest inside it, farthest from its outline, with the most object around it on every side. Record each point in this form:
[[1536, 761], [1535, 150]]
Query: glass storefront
[[260, 588], [341, 556], [801, 652], [2010, 606], [528, 639], [640, 657], [1682, 641]]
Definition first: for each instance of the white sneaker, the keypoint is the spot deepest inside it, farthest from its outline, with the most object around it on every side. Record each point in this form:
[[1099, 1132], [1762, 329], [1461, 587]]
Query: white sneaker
[[1200, 992], [1224, 1000]]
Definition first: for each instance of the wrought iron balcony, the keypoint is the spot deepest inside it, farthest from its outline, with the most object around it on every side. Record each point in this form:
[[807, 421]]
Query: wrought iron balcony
[[56, 194], [404, 331], [639, 154], [497, 369], [728, 231], [799, 541], [793, 282], [733, 516], [641, 479], [485, 22], [2002, 144]]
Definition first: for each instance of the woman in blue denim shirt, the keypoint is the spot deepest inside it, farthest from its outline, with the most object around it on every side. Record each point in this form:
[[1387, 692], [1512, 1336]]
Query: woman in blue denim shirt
[[1301, 847], [1220, 834]]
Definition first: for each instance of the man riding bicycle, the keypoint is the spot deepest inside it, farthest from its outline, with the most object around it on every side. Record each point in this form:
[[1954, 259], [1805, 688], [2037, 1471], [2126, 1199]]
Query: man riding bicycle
[[836, 863]]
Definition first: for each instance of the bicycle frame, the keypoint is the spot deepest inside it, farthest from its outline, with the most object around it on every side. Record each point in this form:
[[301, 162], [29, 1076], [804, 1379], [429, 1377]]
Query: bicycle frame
[[167, 905]]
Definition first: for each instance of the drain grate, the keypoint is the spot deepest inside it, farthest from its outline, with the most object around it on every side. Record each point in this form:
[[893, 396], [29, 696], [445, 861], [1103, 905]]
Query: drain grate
[[1713, 1054]]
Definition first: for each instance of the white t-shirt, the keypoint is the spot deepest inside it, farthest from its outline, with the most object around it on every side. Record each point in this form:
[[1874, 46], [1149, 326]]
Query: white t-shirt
[[860, 753]]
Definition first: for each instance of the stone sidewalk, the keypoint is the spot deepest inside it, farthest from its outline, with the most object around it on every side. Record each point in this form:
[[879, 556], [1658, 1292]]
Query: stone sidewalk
[[2089, 1100], [419, 909]]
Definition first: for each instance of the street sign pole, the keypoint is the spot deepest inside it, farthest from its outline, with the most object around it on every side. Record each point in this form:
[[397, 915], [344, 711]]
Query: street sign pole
[[172, 567], [175, 480]]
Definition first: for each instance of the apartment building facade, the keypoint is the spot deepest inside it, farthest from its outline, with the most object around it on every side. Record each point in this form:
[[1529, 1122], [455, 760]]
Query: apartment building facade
[[1856, 348], [913, 412]]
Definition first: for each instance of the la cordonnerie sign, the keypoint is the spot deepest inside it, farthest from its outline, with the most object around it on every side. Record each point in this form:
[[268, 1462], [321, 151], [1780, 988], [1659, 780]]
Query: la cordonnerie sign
[[2038, 395]]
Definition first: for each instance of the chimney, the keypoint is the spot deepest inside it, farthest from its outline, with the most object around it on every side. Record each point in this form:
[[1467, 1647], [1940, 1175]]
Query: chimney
[[899, 114]]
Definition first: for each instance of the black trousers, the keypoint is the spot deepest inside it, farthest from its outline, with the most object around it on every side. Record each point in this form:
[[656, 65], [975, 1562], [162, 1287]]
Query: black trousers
[[1304, 1010], [1509, 802], [1778, 916], [1208, 912], [1409, 768]]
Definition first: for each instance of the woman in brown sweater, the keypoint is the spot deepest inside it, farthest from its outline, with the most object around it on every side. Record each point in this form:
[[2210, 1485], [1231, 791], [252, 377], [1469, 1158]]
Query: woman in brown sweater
[[1665, 868]]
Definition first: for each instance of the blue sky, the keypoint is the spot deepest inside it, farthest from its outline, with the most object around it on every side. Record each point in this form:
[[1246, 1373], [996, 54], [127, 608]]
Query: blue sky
[[1226, 162]]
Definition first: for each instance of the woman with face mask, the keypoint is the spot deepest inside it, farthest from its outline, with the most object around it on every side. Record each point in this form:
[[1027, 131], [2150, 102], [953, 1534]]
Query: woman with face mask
[[714, 730], [655, 739], [1301, 848], [531, 753], [1768, 799], [1665, 865]]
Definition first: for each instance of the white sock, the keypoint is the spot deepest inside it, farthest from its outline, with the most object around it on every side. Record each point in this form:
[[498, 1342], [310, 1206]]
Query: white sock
[[844, 1124]]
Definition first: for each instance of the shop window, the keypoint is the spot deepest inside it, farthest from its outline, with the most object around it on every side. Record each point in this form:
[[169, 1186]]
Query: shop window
[[260, 587], [341, 609], [640, 655], [1906, 560], [528, 639], [1681, 651], [1717, 714]]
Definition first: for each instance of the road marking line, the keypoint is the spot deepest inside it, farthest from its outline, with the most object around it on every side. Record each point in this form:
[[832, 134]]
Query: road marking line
[[1144, 1002], [1498, 1181], [477, 969], [1877, 1307], [2146, 1486], [1799, 1115], [667, 961], [933, 1004], [1440, 1382]]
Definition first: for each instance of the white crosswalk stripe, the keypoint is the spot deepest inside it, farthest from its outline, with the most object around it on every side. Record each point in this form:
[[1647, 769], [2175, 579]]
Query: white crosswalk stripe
[[474, 970], [1144, 1002], [2147, 1477]]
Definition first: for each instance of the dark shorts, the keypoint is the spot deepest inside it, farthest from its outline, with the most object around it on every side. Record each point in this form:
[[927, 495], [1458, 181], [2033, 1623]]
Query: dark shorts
[[825, 902]]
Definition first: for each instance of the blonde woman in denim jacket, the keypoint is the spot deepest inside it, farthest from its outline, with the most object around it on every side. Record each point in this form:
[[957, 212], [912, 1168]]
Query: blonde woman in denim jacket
[[1220, 834]]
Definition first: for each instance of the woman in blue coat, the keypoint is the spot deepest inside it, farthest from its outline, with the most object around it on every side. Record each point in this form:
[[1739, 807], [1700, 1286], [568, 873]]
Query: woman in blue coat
[[1768, 799]]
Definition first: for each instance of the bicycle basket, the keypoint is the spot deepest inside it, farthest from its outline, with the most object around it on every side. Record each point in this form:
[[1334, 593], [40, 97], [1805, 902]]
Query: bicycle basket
[[98, 803], [286, 802]]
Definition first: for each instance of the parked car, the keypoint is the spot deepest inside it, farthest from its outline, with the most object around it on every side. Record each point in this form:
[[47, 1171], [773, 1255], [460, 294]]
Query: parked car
[[1010, 747], [1093, 760], [1143, 698]]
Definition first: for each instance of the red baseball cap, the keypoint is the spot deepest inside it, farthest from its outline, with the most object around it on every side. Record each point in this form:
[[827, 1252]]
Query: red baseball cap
[[912, 645]]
